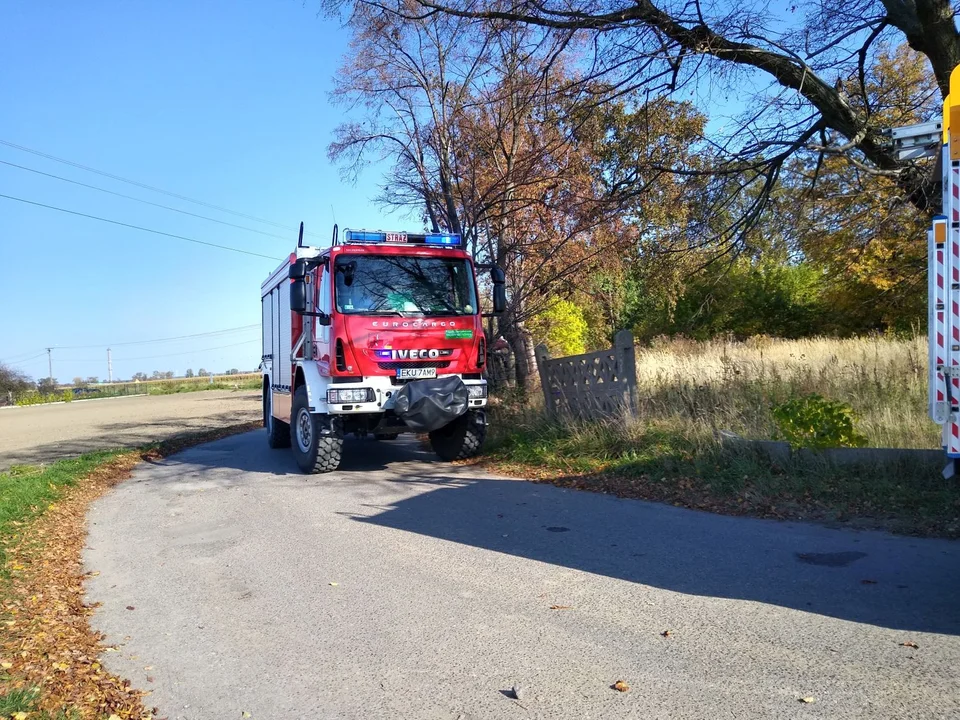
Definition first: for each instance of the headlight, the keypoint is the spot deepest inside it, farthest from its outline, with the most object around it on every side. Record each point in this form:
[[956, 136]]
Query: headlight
[[477, 391], [350, 395]]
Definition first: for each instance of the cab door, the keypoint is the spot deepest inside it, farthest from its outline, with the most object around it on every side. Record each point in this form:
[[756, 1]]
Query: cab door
[[322, 334]]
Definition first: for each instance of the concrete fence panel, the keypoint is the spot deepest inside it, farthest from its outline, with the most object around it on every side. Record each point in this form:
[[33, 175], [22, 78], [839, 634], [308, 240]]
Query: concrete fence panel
[[591, 386]]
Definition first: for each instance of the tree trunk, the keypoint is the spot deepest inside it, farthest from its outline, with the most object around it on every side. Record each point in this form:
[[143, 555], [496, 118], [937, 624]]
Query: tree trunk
[[521, 342]]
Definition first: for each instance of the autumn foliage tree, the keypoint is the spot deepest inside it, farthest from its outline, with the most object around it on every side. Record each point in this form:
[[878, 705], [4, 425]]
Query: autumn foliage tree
[[493, 133], [800, 72]]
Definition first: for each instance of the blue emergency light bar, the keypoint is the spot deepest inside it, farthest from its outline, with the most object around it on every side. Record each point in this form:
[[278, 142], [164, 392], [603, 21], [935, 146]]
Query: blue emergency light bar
[[440, 239], [399, 238], [362, 236]]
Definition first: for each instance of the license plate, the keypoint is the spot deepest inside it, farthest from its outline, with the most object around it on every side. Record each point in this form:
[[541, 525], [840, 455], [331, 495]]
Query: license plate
[[416, 373], [396, 237]]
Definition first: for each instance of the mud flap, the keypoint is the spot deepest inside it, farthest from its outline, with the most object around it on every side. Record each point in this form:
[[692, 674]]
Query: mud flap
[[428, 405]]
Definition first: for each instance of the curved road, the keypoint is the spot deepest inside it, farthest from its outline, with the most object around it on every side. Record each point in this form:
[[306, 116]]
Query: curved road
[[46, 433], [405, 588]]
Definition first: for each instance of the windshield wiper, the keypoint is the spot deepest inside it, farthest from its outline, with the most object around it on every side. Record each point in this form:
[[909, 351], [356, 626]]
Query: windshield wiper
[[393, 313]]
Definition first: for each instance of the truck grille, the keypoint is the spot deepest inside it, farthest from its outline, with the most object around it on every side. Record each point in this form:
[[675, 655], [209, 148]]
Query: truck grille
[[439, 365]]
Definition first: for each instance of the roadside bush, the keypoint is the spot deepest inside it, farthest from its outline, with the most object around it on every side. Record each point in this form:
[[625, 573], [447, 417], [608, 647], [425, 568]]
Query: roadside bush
[[813, 421], [38, 399], [562, 327]]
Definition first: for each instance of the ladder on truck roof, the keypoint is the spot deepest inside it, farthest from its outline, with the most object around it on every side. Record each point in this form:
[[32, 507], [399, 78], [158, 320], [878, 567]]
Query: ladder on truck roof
[[942, 140]]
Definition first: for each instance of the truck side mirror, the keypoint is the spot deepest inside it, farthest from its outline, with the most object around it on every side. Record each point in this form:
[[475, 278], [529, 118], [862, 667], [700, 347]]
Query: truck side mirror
[[298, 296], [298, 288], [499, 289], [298, 270]]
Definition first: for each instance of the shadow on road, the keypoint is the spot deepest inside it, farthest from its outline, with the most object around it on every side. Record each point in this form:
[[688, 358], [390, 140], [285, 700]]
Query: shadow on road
[[894, 582], [866, 577], [361, 456]]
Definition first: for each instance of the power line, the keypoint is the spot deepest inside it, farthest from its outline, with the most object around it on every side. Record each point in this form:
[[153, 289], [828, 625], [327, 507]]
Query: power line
[[186, 352], [176, 337], [137, 227], [145, 186], [25, 360], [35, 354], [15, 357], [145, 202]]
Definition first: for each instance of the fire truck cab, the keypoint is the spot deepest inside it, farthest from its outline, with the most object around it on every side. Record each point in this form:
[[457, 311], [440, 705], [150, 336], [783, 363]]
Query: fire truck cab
[[379, 334]]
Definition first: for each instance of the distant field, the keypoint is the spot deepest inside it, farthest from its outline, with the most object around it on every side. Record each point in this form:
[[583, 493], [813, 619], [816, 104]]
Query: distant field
[[43, 433], [167, 386]]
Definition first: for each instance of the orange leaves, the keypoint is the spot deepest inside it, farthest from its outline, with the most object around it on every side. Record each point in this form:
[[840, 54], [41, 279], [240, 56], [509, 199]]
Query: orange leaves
[[47, 642]]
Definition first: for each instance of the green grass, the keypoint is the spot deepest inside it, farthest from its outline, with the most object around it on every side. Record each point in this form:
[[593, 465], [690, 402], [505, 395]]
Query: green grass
[[679, 461], [26, 491], [25, 700], [172, 388], [150, 387]]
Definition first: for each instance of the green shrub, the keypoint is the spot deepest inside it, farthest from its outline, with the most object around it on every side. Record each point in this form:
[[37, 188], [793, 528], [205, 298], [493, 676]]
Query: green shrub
[[813, 421], [562, 327]]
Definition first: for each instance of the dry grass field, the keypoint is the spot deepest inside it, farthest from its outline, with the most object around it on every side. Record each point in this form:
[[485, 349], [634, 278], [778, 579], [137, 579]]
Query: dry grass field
[[733, 385]]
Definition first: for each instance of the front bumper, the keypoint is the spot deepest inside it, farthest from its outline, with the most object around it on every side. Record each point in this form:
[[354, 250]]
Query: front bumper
[[384, 392]]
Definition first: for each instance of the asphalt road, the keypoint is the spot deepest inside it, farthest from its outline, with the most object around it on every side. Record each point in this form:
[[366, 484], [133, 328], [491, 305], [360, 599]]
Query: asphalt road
[[43, 433], [405, 588]]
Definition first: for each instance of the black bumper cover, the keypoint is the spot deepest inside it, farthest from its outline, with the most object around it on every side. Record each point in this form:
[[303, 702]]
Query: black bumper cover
[[427, 405]]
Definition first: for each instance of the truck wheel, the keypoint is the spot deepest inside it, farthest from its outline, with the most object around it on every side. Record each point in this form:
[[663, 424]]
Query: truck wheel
[[315, 453], [460, 439], [278, 432]]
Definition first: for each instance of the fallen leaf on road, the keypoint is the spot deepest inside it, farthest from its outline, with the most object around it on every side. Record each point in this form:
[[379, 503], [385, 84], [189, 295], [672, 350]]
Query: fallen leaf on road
[[561, 607], [807, 700], [666, 633], [130, 607], [245, 714], [149, 678], [334, 584], [620, 686], [910, 644]]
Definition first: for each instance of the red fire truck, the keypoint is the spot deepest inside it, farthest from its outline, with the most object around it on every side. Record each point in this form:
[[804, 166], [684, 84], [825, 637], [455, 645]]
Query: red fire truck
[[381, 333]]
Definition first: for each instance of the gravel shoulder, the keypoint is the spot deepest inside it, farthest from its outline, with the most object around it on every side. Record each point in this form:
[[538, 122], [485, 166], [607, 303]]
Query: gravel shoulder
[[44, 433], [400, 587]]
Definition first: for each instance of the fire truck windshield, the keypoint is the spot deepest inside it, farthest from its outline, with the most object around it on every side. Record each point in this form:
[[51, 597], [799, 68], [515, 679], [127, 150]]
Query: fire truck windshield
[[402, 285]]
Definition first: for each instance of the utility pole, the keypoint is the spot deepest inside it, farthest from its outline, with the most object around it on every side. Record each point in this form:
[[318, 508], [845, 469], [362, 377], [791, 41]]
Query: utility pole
[[109, 367], [50, 363]]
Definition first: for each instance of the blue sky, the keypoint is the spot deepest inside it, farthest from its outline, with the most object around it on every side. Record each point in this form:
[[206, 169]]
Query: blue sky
[[225, 102]]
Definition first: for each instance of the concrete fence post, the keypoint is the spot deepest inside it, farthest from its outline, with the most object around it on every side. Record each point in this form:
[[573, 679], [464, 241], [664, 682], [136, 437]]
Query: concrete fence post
[[627, 362], [542, 355]]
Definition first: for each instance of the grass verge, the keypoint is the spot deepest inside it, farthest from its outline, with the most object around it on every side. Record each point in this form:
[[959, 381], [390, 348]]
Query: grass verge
[[49, 655], [679, 462]]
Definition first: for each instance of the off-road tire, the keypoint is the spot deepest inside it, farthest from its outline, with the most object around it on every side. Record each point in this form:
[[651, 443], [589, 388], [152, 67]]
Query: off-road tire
[[315, 453], [386, 436], [461, 439], [278, 432]]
